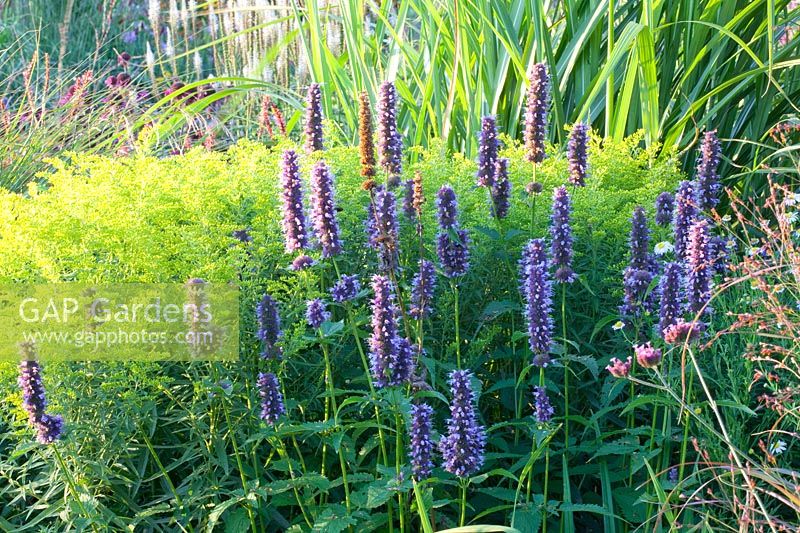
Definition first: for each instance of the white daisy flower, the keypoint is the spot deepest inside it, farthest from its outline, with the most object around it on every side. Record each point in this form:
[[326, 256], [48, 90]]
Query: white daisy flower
[[618, 325], [777, 448], [664, 247]]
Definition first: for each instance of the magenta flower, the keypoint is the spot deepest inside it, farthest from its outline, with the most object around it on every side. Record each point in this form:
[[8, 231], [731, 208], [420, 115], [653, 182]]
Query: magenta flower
[[647, 356], [620, 369]]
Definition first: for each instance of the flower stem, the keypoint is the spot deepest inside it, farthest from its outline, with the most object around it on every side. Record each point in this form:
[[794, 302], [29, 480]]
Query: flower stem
[[455, 317], [463, 518]]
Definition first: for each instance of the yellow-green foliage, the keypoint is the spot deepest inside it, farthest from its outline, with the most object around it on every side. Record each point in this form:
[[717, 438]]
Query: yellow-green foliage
[[147, 219]]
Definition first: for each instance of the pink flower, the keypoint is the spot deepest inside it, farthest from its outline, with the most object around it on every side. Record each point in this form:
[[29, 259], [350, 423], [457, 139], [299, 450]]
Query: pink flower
[[620, 369], [647, 356]]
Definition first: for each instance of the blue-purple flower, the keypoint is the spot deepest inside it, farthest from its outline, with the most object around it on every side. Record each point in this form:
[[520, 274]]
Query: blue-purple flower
[[501, 189], [385, 228], [316, 313], [707, 178], [665, 205], [422, 287], [269, 390], [420, 450], [669, 289], [578, 154], [684, 215], [487, 152], [323, 210], [302, 262], [294, 219], [346, 289], [391, 358], [542, 410], [269, 327], [537, 290], [538, 104], [390, 144], [314, 119], [409, 208], [639, 273], [463, 446], [49, 428], [561, 236], [452, 245], [639, 240], [698, 267], [720, 256]]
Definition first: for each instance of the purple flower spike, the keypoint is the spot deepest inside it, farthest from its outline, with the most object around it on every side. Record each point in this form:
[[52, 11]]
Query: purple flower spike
[[294, 219], [448, 207], [302, 262], [323, 210], [422, 288], [487, 152], [463, 446], [561, 236], [669, 289], [537, 289], [635, 284], [390, 144], [314, 119], [639, 239], [536, 110], [409, 204], [638, 275], [501, 190], [346, 289], [316, 313], [698, 268], [391, 357], [49, 428], [707, 179], [452, 244], [272, 407], [665, 205], [578, 154], [385, 228], [683, 218], [269, 327], [542, 410], [420, 444]]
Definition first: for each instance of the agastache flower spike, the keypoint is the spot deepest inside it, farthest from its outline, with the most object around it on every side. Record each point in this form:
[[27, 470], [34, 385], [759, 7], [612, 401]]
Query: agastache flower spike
[[637, 276], [316, 313], [365, 145], [698, 268], [452, 244], [269, 327], [314, 119], [684, 215], [390, 144], [561, 236], [294, 219], [536, 110], [269, 390], [669, 288], [501, 189], [49, 428], [422, 288], [302, 262], [323, 210], [707, 178], [346, 289], [408, 200], [463, 446], [537, 290], [718, 247], [391, 356], [386, 228], [578, 154], [420, 444], [487, 152], [542, 410], [665, 205]]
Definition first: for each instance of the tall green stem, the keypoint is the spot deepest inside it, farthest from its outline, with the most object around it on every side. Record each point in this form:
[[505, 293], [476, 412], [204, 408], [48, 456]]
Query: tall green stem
[[456, 318], [462, 520]]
